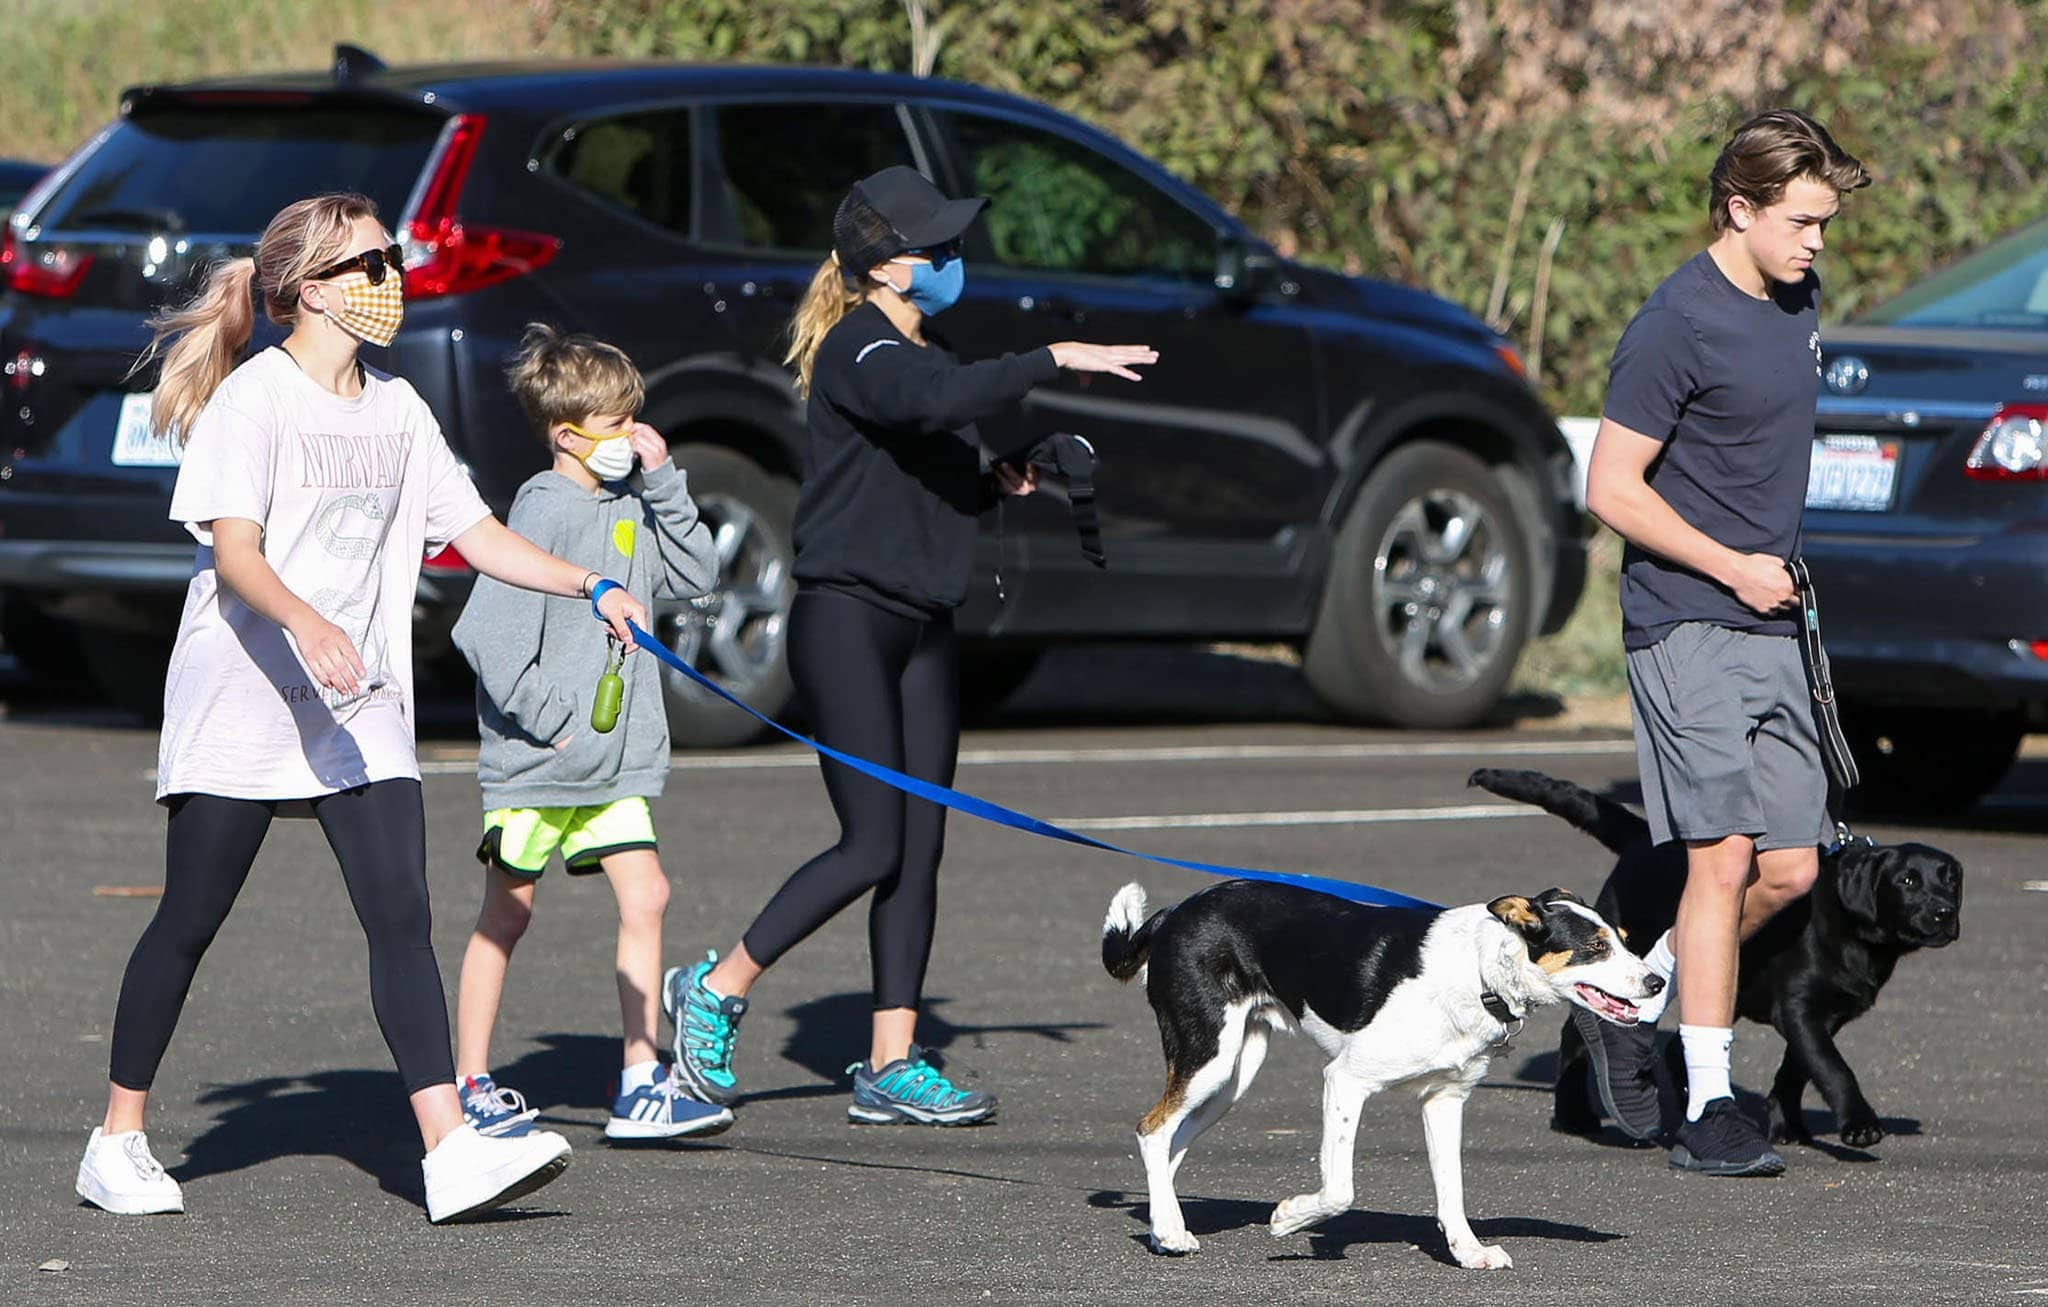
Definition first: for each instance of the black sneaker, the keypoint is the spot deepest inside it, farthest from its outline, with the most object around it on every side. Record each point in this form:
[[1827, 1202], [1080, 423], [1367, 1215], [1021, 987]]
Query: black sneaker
[[1623, 1062], [1724, 1142]]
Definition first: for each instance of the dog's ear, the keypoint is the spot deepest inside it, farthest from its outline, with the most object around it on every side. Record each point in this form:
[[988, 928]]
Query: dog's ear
[[1518, 914], [1857, 868], [1558, 894]]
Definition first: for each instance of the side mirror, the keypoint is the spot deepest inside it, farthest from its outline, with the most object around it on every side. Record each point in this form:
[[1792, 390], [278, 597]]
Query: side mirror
[[1243, 270]]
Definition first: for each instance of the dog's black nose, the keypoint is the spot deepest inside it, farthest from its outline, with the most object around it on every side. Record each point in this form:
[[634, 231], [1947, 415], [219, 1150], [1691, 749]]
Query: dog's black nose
[[1943, 916], [1653, 984]]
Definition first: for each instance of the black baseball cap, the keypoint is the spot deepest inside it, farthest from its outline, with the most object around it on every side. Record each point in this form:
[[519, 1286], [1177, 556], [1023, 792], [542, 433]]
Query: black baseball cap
[[894, 212]]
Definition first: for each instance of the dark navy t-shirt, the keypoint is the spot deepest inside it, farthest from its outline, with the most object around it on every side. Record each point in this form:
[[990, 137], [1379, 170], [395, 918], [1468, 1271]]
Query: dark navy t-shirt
[[1728, 382]]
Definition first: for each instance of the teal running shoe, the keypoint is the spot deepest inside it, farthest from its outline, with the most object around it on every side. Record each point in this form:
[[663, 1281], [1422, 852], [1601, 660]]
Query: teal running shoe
[[910, 1091], [707, 1026]]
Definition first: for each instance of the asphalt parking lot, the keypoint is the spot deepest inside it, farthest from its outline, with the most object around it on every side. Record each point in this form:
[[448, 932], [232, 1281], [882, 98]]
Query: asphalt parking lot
[[279, 1112]]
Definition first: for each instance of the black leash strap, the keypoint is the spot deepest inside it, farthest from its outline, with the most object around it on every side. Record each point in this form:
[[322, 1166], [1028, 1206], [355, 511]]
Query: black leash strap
[[1072, 459], [1827, 720]]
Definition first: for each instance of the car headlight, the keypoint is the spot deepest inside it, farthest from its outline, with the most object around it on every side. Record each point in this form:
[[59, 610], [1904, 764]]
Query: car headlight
[[2014, 445]]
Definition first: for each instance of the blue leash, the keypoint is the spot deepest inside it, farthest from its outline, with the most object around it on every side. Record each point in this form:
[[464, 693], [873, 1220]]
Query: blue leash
[[1024, 821]]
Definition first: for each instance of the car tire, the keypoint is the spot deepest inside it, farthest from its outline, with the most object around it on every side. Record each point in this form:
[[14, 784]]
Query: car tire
[[46, 647], [990, 672], [1426, 605], [738, 634], [1928, 761], [128, 668]]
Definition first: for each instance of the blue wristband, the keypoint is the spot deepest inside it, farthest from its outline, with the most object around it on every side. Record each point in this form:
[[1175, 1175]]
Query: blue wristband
[[597, 592]]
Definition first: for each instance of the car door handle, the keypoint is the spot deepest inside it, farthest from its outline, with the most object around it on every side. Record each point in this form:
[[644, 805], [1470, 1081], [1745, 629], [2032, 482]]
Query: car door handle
[[774, 292], [1052, 306]]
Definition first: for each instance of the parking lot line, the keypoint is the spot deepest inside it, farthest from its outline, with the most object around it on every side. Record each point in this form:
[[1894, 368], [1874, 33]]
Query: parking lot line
[[1311, 817], [785, 757]]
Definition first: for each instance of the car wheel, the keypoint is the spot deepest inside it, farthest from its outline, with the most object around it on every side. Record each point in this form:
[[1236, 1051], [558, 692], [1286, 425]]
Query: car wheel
[[1426, 606], [992, 671], [738, 634], [128, 668], [1928, 761], [46, 647]]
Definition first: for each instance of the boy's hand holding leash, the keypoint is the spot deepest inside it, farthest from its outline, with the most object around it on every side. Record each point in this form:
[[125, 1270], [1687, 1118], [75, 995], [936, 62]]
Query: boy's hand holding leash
[[611, 605]]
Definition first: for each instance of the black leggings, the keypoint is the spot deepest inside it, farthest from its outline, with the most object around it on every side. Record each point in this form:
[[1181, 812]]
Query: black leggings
[[379, 833], [888, 689]]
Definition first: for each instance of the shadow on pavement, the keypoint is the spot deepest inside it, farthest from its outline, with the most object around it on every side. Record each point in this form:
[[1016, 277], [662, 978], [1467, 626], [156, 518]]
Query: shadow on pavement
[[832, 1032], [1330, 1240], [357, 1116]]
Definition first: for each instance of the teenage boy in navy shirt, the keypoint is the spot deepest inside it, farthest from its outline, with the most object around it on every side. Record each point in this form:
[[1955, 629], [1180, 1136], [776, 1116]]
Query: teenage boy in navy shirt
[[1700, 465]]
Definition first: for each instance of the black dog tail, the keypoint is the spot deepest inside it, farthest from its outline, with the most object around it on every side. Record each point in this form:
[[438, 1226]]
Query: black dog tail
[[1127, 932], [1603, 819]]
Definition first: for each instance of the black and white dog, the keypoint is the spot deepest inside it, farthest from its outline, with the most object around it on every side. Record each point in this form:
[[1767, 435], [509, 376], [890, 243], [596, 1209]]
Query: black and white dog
[[1812, 969], [1392, 996]]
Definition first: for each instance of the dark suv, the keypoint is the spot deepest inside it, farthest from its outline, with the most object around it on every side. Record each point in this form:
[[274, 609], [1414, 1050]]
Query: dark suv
[[1348, 463]]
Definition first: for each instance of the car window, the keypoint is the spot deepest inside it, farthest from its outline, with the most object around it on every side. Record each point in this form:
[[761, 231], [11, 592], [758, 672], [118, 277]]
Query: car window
[[638, 162], [2005, 286], [787, 166], [226, 170], [1061, 207]]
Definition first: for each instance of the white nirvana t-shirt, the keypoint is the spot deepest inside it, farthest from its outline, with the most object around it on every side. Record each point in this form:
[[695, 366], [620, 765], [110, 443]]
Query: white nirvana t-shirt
[[351, 495]]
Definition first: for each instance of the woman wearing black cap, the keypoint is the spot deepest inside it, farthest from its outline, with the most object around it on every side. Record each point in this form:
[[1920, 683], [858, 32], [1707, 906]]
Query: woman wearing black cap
[[894, 478]]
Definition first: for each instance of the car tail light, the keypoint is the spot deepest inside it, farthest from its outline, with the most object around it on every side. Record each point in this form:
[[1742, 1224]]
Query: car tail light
[[52, 271], [1507, 355], [447, 560], [2014, 446], [445, 255]]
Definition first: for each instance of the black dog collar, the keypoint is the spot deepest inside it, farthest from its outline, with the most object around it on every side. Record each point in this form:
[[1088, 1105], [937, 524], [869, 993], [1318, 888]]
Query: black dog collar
[[1497, 1008]]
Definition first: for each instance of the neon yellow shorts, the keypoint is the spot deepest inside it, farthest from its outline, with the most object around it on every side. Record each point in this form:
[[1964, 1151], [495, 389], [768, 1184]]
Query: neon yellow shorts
[[520, 840]]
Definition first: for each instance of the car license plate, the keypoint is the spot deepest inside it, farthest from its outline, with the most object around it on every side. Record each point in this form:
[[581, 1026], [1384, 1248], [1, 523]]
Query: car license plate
[[135, 445], [1857, 474]]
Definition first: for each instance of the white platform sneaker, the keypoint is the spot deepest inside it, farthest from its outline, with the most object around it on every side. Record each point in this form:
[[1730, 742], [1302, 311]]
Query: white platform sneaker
[[120, 1174], [468, 1174]]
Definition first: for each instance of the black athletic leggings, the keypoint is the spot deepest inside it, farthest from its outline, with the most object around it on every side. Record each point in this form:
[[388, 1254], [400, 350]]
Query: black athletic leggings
[[379, 833], [887, 688]]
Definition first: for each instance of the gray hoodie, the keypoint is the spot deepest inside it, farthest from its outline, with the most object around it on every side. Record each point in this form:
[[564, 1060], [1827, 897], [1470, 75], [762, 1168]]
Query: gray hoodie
[[537, 657]]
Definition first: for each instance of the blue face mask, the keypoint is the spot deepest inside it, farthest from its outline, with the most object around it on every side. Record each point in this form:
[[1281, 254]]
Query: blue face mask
[[934, 290]]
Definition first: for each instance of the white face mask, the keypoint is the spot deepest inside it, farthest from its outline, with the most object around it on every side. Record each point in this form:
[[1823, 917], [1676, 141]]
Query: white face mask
[[610, 458]]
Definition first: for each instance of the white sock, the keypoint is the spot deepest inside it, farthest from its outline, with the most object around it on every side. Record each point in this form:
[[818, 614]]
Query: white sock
[[1706, 1066], [1664, 962], [638, 1076]]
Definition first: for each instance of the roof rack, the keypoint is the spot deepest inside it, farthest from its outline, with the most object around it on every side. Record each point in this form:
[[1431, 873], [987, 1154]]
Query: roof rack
[[352, 63]]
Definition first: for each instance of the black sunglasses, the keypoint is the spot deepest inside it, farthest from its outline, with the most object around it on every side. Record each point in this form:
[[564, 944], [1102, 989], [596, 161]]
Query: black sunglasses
[[940, 255], [372, 262]]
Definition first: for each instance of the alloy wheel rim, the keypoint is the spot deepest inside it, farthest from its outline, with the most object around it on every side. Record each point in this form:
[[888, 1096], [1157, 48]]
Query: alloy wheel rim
[[1440, 590], [735, 633]]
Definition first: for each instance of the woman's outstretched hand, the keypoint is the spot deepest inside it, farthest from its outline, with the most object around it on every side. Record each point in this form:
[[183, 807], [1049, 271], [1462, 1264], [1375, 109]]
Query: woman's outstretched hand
[[1117, 360], [1012, 481]]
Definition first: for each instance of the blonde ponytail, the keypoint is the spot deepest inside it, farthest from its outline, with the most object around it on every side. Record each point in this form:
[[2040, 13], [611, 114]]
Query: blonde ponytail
[[827, 300], [207, 334]]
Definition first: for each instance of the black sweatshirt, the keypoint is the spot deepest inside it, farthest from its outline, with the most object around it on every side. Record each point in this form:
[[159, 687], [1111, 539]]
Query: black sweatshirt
[[894, 476]]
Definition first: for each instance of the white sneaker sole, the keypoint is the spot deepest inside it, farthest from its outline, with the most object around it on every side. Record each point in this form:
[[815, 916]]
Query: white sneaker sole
[[860, 1115], [625, 1128], [493, 1189], [93, 1191]]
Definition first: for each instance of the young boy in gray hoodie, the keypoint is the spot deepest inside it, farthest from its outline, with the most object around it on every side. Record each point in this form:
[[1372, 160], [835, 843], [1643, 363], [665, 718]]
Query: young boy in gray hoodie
[[552, 781]]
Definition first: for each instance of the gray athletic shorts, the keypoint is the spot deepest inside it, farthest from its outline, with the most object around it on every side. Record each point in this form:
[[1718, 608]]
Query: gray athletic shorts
[[1725, 738]]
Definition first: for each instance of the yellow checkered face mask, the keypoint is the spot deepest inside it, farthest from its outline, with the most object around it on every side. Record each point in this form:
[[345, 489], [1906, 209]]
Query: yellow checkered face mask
[[369, 312]]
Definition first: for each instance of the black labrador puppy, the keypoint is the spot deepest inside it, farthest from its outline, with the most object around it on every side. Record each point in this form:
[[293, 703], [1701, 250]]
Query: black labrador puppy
[[1811, 970]]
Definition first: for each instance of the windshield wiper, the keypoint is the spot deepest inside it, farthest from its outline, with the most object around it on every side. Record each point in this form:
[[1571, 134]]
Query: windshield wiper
[[147, 219]]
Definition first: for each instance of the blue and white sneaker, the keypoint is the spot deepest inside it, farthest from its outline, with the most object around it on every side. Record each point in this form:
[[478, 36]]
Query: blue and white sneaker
[[661, 1111], [495, 1113], [910, 1091], [707, 1026]]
